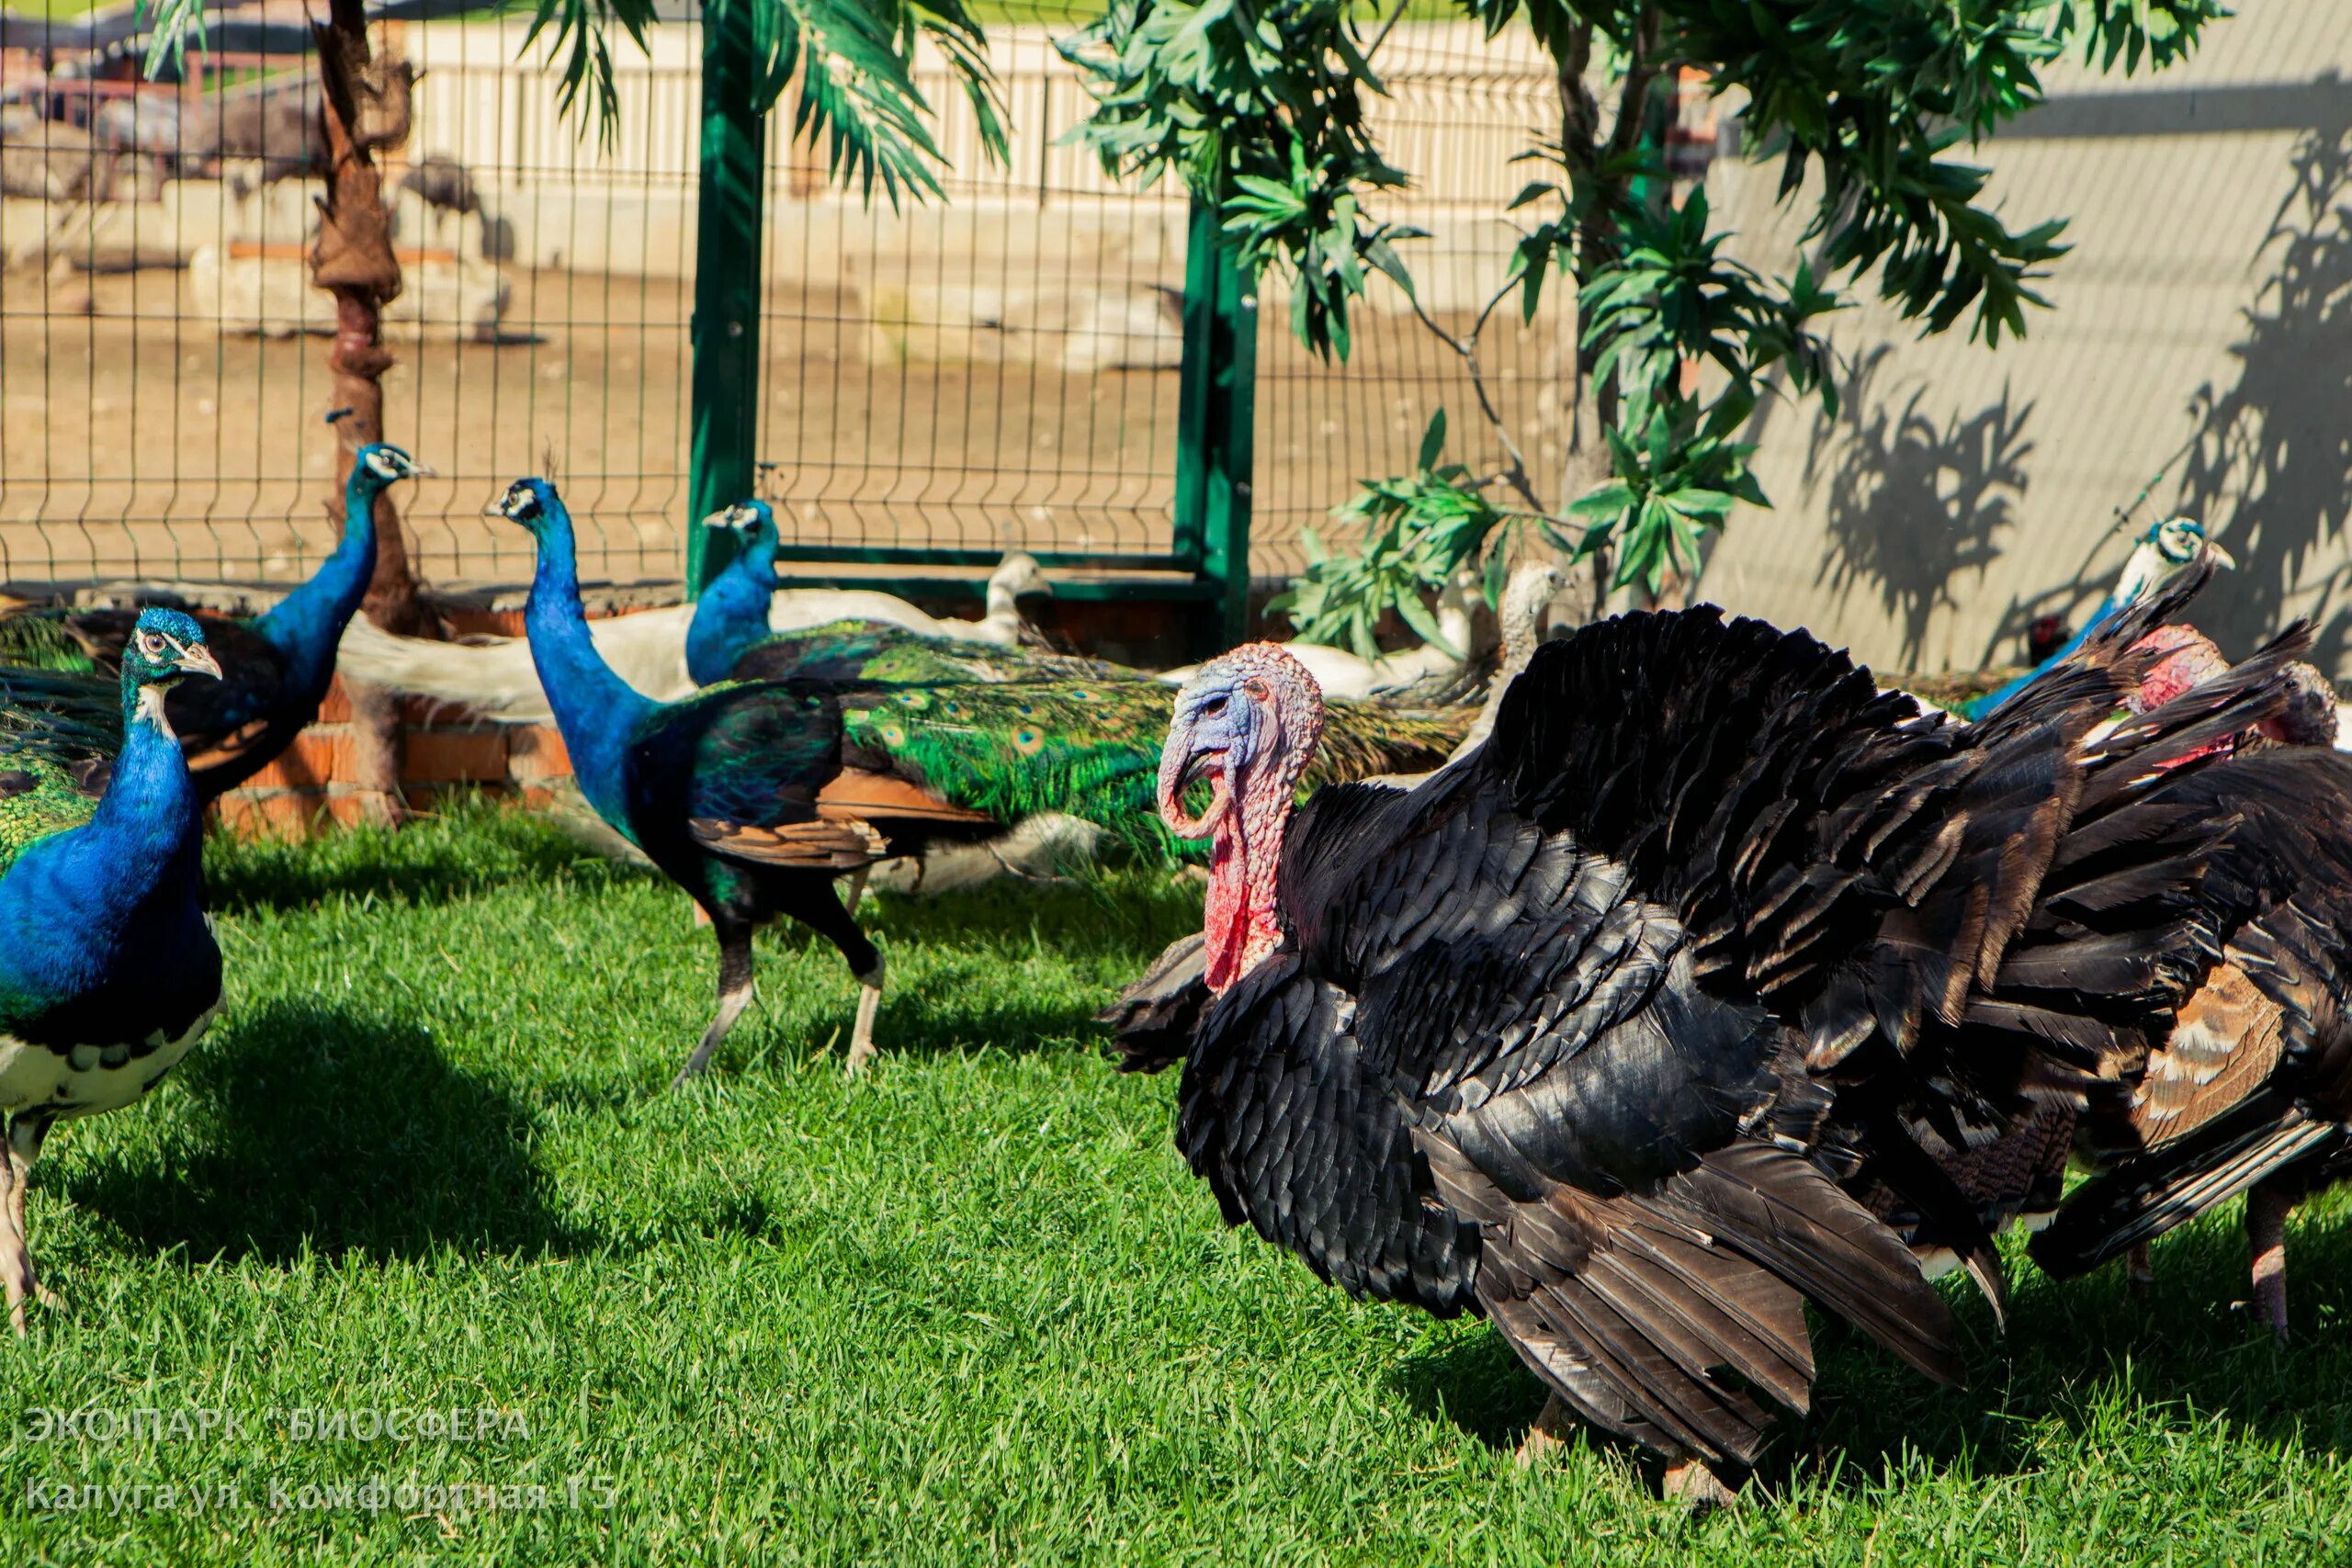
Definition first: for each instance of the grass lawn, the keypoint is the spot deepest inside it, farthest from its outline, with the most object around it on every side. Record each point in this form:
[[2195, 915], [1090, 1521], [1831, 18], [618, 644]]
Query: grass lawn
[[971, 1309]]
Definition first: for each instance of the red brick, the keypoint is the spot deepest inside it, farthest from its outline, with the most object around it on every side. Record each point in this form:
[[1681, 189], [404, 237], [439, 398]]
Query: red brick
[[443, 798], [454, 757], [282, 814], [320, 755], [535, 752], [467, 622], [420, 713]]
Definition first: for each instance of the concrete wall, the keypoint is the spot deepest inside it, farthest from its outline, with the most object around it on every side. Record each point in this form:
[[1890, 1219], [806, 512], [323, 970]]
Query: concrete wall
[[2199, 349]]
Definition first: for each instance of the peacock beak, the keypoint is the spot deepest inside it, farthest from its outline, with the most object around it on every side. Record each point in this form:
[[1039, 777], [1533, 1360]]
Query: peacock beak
[[197, 661], [2221, 556], [423, 471]]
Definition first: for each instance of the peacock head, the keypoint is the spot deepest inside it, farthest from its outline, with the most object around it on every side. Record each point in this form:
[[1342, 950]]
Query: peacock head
[[1019, 574], [2163, 549], [165, 648], [531, 502], [387, 463], [2178, 540], [1246, 724], [752, 523]]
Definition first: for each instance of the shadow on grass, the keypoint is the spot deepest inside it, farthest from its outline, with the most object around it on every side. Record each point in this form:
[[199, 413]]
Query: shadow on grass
[[2076, 1353], [473, 848], [335, 1131], [1129, 912]]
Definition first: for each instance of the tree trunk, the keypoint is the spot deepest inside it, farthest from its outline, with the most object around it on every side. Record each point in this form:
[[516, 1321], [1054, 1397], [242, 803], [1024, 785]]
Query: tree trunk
[[1591, 408], [365, 106]]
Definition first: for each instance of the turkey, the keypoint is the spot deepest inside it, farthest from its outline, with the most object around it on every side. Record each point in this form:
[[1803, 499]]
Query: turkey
[[2252, 1091], [279, 664], [1617, 1031]]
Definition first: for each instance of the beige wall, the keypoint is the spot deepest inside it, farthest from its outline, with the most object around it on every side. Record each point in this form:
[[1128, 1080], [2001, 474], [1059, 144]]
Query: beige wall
[[2201, 338]]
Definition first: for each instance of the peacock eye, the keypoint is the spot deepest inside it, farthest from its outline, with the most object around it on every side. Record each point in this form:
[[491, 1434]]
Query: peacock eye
[[151, 646]]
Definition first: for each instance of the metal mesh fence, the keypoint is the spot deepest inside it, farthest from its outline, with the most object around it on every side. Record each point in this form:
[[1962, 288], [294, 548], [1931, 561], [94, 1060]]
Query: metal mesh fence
[[999, 368]]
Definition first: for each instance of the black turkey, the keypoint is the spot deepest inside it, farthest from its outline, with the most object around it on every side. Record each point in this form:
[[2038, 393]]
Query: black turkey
[[1625, 1030]]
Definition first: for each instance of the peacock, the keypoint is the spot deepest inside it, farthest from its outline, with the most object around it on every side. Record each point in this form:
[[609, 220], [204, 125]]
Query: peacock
[[995, 736], [280, 661], [720, 790], [736, 615], [2165, 549], [494, 678], [109, 972]]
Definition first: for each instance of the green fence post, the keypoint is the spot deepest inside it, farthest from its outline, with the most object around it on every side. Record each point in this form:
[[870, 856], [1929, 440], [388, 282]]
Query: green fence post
[[1216, 411], [726, 333]]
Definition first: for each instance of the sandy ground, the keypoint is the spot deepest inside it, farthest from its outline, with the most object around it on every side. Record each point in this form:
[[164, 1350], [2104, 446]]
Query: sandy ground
[[139, 440]]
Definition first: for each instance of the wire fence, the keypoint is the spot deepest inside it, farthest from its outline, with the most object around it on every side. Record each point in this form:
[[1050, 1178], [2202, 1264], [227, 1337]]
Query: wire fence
[[999, 368]]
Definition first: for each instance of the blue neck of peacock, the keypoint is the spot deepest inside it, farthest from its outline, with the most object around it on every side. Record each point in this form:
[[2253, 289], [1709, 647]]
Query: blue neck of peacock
[[306, 625], [73, 906], [732, 613], [597, 711], [2143, 569]]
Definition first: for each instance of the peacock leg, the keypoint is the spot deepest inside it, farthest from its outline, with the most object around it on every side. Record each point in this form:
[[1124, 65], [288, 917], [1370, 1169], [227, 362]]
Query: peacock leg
[[826, 916], [869, 1002], [1548, 1435], [26, 1133], [2140, 1272], [2266, 1208], [734, 996]]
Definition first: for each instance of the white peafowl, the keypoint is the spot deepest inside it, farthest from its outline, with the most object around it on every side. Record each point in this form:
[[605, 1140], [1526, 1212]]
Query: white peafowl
[[494, 677], [1343, 674]]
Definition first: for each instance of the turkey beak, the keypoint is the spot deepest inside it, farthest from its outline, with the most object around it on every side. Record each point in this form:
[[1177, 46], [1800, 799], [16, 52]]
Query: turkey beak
[[197, 661], [1181, 767]]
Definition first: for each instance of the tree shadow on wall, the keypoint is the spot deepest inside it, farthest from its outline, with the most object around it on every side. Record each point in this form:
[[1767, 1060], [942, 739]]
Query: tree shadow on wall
[[1912, 502], [2272, 462]]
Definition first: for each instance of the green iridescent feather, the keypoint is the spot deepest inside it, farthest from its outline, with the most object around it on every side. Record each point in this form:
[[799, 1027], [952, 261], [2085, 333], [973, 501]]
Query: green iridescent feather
[[53, 746], [847, 653], [983, 727], [39, 638]]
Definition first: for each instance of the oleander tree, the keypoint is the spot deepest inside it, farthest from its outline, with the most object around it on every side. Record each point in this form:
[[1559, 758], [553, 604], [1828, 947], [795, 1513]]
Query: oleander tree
[[1866, 107]]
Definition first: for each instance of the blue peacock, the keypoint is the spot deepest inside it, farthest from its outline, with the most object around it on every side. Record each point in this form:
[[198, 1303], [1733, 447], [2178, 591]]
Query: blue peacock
[[109, 972], [720, 790], [280, 662], [959, 737], [2165, 549]]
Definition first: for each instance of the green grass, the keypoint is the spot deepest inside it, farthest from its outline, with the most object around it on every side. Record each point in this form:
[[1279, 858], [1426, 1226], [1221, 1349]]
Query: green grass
[[971, 1309]]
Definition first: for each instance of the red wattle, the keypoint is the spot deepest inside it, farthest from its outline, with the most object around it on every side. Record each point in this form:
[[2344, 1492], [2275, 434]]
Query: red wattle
[[1224, 922]]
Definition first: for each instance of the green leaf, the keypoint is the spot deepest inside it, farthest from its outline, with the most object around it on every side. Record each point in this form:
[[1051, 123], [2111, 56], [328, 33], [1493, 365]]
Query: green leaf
[[1432, 441]]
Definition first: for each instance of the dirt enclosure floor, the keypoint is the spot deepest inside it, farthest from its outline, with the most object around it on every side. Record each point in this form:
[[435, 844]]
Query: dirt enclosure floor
[[137, 439]]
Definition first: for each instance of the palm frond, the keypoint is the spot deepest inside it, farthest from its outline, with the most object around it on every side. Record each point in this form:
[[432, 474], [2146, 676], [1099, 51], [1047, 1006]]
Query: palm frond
[[852, 60], [172, 24]]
